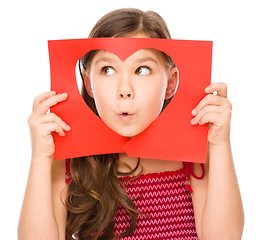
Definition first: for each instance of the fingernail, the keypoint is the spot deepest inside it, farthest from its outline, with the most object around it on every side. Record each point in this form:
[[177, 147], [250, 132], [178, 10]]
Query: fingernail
[[64, 94], [194, 112], [207, 89], [68, 127], [192, 121], [62, 134], [53, 92]]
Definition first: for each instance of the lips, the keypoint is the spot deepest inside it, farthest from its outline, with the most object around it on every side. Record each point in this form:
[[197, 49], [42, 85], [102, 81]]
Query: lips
[[125, 116]]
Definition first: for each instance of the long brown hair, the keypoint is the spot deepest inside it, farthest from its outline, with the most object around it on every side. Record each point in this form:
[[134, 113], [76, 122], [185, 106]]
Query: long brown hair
[[96, 190]]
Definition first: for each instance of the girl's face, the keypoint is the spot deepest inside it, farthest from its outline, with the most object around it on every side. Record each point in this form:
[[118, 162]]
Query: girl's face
[[129, 95]]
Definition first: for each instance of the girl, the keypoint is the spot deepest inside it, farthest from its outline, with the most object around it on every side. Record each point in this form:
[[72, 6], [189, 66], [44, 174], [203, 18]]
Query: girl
[[115, 196]]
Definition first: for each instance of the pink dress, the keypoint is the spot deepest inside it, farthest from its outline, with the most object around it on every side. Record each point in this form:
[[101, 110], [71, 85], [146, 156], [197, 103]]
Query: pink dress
[[166, 197]]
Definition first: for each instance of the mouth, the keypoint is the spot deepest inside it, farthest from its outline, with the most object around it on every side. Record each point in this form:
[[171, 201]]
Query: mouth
[[125, 116]]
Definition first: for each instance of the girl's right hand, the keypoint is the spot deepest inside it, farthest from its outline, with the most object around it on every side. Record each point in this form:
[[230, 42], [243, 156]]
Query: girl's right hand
[[42, 124]]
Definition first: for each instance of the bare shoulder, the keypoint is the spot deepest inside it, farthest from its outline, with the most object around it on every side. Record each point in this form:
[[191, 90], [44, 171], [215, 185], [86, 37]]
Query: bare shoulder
[[59, 192], [200, 188], [58, 171]]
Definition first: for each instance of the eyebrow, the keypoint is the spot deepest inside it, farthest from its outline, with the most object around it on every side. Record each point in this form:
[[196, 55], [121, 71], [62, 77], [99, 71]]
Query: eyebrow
[[146, 59], [104, 59]]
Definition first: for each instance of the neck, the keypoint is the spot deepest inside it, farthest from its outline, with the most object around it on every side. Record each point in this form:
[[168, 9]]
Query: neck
[[149, 165]]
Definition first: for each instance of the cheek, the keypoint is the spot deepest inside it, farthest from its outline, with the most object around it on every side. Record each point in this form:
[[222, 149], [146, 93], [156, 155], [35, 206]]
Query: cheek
[[153, 107], [103, 97], [101, 102], [155, 94]]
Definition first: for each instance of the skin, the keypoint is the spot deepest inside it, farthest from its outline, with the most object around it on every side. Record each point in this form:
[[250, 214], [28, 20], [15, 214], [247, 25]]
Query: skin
[[121, 89], [216, 198]]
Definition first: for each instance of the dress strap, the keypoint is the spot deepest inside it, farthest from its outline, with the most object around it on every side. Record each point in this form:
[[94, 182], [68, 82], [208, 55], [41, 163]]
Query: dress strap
[[68, 175], [188, 171]]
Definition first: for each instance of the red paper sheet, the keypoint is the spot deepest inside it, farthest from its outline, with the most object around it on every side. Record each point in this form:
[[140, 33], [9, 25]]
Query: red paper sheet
[[169, 137]]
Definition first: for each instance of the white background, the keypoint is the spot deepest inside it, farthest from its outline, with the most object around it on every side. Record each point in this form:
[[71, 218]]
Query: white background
[[27, 25]]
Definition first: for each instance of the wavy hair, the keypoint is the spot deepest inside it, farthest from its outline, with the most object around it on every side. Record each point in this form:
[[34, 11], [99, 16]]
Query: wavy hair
[[96, 189]]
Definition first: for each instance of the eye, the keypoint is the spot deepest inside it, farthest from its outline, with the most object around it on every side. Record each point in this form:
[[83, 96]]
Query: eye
[[143, 71], [108, 71]]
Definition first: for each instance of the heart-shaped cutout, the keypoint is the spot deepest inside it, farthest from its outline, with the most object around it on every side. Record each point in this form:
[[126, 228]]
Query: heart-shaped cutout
[[156, 69]]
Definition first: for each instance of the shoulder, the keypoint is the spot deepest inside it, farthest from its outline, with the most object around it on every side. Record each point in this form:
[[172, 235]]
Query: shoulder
[[200, 188], [59, 193], [59, 186], [58, 168], [58, 175]]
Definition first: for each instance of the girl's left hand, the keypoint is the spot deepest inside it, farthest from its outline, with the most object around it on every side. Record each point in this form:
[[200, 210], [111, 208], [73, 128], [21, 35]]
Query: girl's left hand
[[216, 110]]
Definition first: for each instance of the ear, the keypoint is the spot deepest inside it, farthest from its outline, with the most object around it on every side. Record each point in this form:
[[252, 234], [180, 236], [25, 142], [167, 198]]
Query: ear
[[172, 84], [87, 83]]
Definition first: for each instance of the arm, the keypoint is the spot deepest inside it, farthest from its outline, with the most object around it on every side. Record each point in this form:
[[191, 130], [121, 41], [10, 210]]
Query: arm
[[216, 198], [43, 215]]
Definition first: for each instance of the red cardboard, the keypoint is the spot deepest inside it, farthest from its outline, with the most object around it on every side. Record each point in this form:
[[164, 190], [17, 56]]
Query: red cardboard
[[169, 137]]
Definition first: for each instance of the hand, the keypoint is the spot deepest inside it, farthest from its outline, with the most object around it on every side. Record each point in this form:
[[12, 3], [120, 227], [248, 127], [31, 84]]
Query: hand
[[216, 110], [42, 124]]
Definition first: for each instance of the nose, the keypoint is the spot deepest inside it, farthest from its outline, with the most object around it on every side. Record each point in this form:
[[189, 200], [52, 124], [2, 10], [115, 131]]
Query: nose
[[125, 90], [125, 95]]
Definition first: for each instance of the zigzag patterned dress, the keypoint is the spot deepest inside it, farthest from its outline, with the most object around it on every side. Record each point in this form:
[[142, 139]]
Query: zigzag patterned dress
[[165, 198]]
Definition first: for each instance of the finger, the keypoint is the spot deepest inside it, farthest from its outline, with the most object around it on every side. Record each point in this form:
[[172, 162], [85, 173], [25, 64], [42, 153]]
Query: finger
[[207, 109], [219, 87], [53, 118], [45, 105], [209, 99], [54, 127], [209, 117], [41, 98]]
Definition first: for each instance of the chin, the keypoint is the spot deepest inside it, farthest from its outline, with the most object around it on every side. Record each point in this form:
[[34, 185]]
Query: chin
[[128, 133]]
